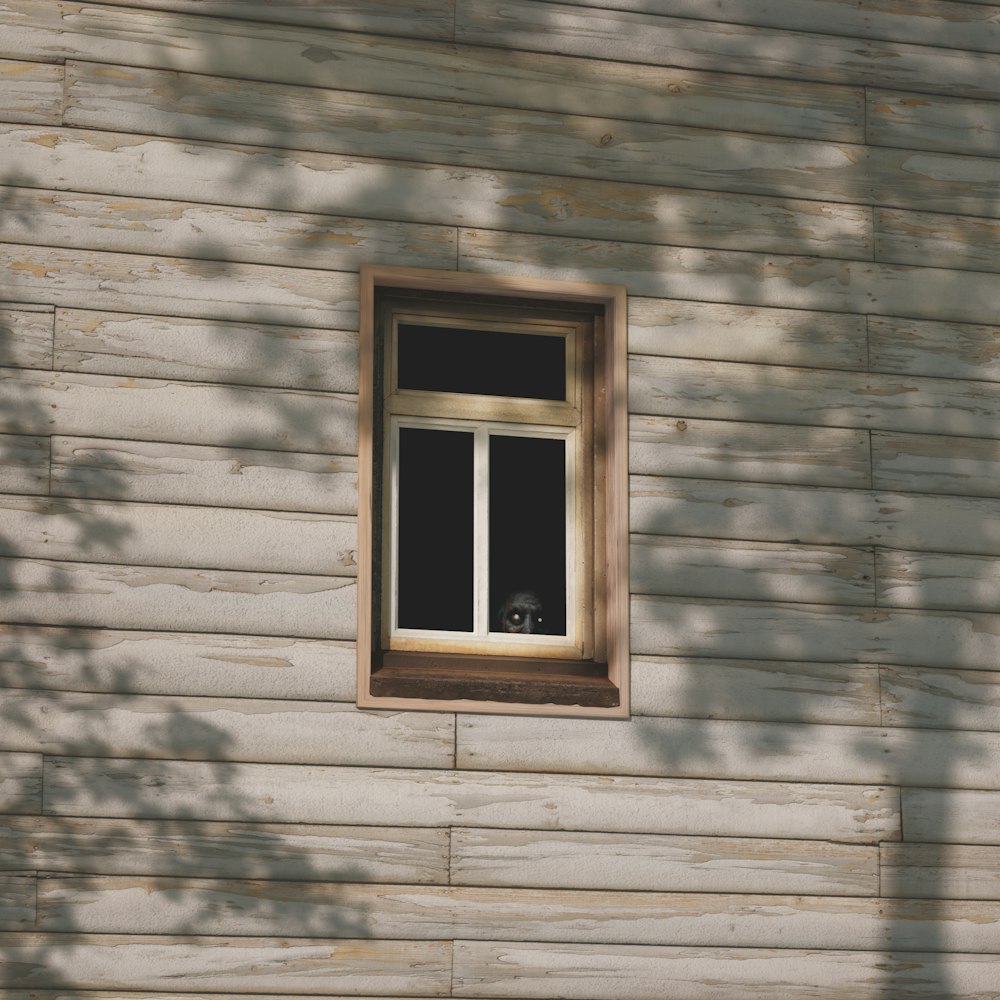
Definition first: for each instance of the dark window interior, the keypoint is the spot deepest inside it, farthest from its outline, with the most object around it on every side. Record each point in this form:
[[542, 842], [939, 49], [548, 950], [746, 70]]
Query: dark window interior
[[435, 529], [481, 362], [528, 525]]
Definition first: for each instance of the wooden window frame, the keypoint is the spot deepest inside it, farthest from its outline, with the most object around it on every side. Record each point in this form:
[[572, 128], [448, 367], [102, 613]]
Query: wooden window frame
[[593, 682]]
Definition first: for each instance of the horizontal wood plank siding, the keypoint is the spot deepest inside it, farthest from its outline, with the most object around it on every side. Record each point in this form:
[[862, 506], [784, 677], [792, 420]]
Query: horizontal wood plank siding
[[801, 201]]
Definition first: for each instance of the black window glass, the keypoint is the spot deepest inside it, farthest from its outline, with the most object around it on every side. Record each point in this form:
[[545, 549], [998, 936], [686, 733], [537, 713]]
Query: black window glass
[[434, 563], [483, 362], [527, 497]]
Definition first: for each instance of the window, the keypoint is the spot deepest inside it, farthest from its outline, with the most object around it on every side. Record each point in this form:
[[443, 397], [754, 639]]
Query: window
[[492, 569]]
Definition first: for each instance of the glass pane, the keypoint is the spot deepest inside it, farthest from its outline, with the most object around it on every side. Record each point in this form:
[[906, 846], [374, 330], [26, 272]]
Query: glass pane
[[527, 535], [442, 359], [434, 559]]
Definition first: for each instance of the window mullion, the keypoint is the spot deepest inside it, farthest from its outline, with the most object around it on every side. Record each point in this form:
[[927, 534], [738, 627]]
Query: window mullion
[[481, 534]]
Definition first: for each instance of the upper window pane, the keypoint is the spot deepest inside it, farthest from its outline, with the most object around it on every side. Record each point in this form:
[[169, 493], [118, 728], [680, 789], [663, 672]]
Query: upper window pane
[[481, 362]]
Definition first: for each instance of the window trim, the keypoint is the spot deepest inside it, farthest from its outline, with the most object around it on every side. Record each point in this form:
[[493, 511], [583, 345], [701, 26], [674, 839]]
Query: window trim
[[609, 421]]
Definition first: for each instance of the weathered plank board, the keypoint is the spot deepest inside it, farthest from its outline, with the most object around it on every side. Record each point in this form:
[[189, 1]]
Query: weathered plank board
[[940, 699], [856, 814], [176, 847], [201, 289], [729, 391], [951, 816], [777, 513], [149, 167], [742, 278], [17, 903], [194, 413], [24, 464], [841, 694], [678, 328], [741, 48], [935, 240], [217, 233], [26, 334], [254, 965], [939, 871], [750, 570], [20, 782], [120, 905], [702, 627], [749, 452], [589, 972], [933, 122], [135, 597], [428, 19], [107, 661], [293, 357], [173, 535], [31, 92], [423, 68], [157, 472], [952, 25], [937, 580], [535, 859], [223, 729], [732, 750], [936, 464], [949, 350]]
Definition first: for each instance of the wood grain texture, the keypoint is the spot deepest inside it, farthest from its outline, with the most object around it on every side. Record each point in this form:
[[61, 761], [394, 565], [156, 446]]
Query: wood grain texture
[[422, 68], [933, 122], [197, 288], [787, 513], [536, 859], [750, 570], [332, 184], [17, 902], [298, 852], [589, 972], [429, 19], [20, 782], [945, 349], [31, 92], [951, 816], [935, 240], [734, 750], [215, 233], [174, 535], [704, 688], [936, 464], [738, 278], [748, 452], [155, 472], [118, 905], [702, 627], [859, 814], [26, 335], [724, 391], [252, 965], [161, 598], [939, 871], [218, 729], [757, 335], [24, 464], [293, 357], [196, 413], [940, 699], [937, 580], [748, 48], [109, 661]]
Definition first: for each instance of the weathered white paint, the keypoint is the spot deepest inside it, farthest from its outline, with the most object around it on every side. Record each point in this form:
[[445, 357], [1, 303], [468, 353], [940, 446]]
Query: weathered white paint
[[20, 782], [31, 92]]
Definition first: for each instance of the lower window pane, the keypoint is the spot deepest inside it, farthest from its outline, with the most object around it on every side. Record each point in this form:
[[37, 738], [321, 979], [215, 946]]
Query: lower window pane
[[434, 559], [527, 535]]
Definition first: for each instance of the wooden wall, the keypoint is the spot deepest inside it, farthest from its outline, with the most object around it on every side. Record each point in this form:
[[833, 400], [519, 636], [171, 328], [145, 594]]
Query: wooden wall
[[802, 200]]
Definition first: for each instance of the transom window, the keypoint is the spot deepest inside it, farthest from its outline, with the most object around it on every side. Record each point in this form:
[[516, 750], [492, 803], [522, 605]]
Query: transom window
[[483, 566]]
